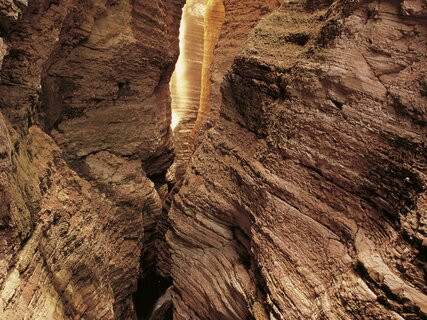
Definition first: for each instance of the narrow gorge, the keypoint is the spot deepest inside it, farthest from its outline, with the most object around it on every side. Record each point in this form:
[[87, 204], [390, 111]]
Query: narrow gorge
[[213, 159]]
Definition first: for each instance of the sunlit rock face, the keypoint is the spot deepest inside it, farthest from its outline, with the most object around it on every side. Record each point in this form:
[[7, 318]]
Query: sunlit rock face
[[186, 80], [227, 27], [307, 199], [215, 14]]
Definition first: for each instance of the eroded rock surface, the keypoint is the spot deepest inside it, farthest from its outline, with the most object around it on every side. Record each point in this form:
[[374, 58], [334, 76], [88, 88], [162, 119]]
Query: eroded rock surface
[[60, 268], [226, 27], [235, 23], [307, 200], [85, 121]]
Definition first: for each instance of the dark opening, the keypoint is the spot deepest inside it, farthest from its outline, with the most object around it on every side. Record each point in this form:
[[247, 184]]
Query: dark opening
[[150, 289]]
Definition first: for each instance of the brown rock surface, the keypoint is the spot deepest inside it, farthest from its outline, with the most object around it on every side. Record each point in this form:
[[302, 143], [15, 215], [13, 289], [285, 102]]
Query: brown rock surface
[[78, 212], [226, 27], [306, 196], [80, 70], [59, 268], [308, 199], [236, 23], [11, 9]]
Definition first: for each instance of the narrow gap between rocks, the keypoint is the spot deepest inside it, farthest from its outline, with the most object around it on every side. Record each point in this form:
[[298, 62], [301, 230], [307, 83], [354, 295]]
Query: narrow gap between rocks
[[200, 27], [152, 300], [185, 85]]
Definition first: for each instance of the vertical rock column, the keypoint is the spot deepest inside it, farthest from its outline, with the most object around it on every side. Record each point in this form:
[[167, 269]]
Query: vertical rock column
[[215, 14], [228, 23], [186, 80]]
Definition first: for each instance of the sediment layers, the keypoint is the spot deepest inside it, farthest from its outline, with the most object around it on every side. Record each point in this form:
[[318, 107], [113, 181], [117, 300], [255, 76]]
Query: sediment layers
[[306, 195], [85, 122], [307, 199], [228, 25]]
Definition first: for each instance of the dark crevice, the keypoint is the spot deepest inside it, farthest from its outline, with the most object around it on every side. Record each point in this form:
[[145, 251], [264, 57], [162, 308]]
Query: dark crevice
[[124, 90], [387, 298], [299, 38], [150, 289]]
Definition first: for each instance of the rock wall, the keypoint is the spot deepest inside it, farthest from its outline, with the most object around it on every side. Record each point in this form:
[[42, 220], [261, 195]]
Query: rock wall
[[213, 22], [185, 84], [85, 120], [307, 199], [221, 46], [227, 25]]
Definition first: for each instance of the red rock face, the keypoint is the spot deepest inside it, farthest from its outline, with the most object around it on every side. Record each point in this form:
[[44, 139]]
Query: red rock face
[[308, 198]]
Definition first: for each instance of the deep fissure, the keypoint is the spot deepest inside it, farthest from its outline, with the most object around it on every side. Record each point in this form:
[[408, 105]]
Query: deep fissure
[[189, 87]]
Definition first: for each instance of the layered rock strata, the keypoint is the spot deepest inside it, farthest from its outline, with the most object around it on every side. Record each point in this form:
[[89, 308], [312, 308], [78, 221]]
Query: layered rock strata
[[227, 27], [214, 19], [308, 198], [185, 84], [59, 271], [85, 98]]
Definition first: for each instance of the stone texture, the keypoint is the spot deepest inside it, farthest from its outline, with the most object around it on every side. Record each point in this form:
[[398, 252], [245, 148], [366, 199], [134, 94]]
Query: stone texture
[[137, 206], [78, 212], [214, 20], [79, 74], [185, 83], [12, 9], [307, 200], [60, 270], [236, 23], [3, 50], [99, 84], [227, 26]]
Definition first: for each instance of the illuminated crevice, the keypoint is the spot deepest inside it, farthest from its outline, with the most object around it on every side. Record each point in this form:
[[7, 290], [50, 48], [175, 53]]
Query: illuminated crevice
[[186, 79], [190, 84], [214, 19]]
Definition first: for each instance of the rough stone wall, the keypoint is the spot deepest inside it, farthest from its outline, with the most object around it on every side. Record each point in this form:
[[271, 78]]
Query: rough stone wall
[[239, 19], [85, 116], [10, 10], [185, 83], [235, 20], [307, 200], [60, 270]]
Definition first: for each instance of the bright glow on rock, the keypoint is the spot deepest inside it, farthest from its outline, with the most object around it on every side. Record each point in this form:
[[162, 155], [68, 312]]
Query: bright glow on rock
[[175, 120], [178, 77], [198, 9], [180, 64]]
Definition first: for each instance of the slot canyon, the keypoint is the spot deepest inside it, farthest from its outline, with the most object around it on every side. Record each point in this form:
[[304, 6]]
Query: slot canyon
[[213, 159]]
